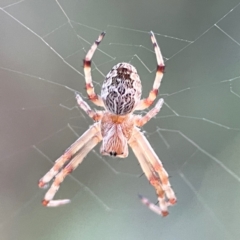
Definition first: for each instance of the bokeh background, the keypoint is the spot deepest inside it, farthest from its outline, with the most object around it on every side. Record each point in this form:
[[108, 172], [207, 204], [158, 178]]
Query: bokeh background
[[196, 134]]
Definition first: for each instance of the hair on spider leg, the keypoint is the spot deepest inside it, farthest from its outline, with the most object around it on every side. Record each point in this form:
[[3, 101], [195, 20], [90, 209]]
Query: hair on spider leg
[[141, 174]]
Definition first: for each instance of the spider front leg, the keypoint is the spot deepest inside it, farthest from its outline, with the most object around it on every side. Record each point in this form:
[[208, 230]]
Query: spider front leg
[[146, 102], [87, 71], [72, 165]]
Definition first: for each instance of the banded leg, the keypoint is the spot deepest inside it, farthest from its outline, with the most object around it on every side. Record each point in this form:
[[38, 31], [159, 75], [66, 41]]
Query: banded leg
[[72, 165], [96, 116], [140, 121], [96, 99], [146, 102], [153, 159], [152, 178], [60, 162]]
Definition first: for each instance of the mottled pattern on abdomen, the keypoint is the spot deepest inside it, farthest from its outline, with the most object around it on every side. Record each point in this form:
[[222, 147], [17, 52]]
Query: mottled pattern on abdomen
[[121, 90]]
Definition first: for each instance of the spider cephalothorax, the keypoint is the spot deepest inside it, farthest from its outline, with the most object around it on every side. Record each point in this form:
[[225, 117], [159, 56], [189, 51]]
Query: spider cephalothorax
[[116, 131], [121, 89], [117, 127]]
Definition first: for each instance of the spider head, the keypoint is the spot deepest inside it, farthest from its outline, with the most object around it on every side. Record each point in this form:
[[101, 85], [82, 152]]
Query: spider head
[[121, 89]]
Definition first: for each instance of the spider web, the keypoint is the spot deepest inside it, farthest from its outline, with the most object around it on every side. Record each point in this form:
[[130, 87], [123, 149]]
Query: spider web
[[196, 134]]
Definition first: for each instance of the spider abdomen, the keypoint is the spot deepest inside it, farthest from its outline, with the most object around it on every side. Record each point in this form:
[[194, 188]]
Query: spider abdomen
[[121, 90]]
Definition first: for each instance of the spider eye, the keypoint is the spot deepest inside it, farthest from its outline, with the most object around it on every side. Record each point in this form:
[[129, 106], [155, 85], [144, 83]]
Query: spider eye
[[113, 154]]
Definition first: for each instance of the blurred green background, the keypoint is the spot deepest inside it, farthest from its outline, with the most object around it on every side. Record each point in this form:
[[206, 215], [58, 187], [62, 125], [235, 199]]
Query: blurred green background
[[196, 134]]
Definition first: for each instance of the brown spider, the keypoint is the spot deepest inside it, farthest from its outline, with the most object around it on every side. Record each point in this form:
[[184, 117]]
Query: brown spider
[[116, 127]]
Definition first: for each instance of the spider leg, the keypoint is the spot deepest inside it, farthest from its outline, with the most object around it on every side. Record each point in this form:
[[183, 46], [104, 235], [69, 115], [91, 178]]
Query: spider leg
[[140, 121], [59, 163], [152, 178], [153, 159], [146, 102], [72, 165], [96, 99], [96, 116]]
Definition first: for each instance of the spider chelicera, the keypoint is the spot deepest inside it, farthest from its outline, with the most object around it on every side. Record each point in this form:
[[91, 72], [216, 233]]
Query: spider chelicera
[[117, 127]]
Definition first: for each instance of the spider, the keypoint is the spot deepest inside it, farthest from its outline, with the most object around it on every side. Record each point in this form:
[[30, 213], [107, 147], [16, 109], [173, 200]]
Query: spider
[[117, 127]]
